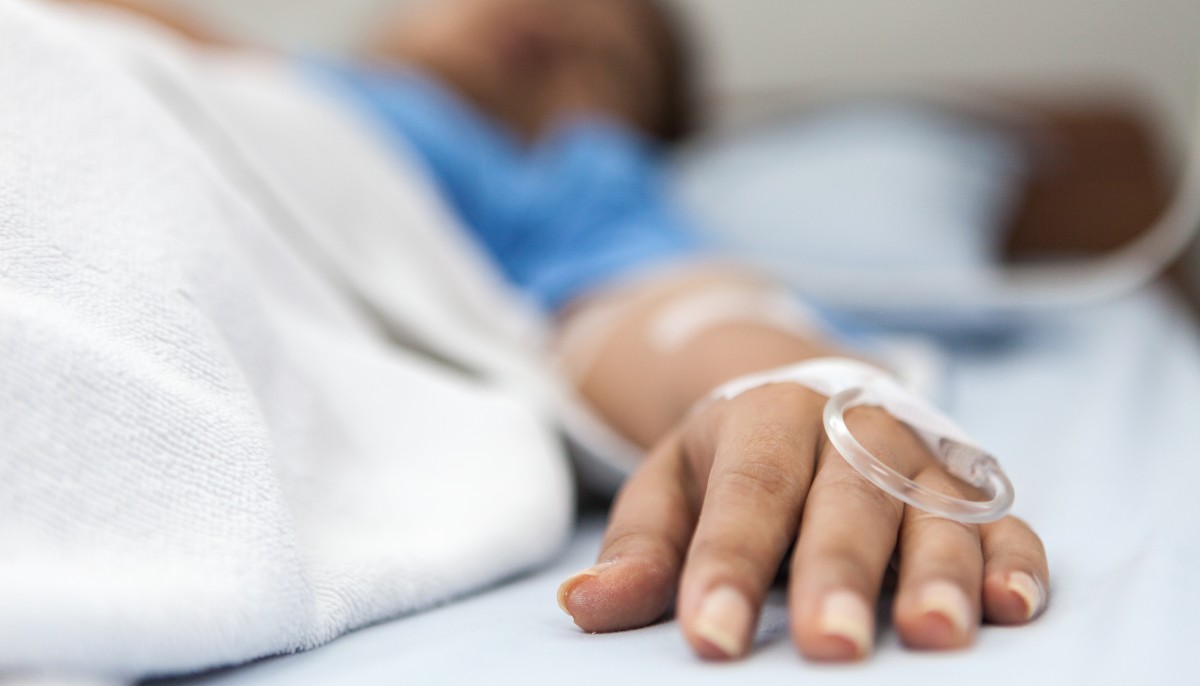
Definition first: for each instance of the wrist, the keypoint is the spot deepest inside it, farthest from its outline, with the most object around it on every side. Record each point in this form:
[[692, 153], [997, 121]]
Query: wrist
[[642, 356]]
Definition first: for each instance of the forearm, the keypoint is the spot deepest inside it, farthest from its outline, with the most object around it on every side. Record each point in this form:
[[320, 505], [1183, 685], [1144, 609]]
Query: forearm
[[642, 384]]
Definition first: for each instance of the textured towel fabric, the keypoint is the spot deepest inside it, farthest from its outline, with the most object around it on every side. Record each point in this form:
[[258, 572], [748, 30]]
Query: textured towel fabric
[[209, 454]]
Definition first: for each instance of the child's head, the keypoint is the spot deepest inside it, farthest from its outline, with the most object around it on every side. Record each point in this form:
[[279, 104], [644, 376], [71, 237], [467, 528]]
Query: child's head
[[530, 62]]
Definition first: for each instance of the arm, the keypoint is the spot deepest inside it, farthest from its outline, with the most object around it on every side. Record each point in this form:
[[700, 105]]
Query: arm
[[643, 389], [715, 506], [719, 498]]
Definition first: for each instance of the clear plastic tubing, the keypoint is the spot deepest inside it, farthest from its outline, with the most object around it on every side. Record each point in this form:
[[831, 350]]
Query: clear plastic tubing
[[983, 473]]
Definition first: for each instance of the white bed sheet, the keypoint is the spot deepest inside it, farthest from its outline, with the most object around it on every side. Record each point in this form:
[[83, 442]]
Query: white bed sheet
[[1096, 419]]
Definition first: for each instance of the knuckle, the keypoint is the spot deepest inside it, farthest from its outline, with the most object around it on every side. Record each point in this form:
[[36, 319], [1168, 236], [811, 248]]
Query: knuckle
[[923, 524], [765, 462], [1011, 538], [775, 415], [891, 440], [935, 477], [1012, 526], [655, 551], [932, 558], [1023, 561], [849, 566], [760, 479], [729, 558], [850, 487], [769, 439]]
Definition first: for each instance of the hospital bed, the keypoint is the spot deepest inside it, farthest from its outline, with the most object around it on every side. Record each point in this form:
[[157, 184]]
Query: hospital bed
[[1092, 409], [1094, 414]]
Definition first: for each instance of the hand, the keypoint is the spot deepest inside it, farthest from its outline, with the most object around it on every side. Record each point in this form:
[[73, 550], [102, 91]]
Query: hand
[[718, 502]]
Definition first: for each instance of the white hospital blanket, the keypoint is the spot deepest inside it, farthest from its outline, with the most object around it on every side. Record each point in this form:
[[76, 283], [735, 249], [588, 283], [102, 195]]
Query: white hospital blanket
[[1095, 418], [209, 452]]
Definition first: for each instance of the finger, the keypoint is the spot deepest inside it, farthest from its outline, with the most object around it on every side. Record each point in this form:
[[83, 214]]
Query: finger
[[941, 572], [847, 537], [633, 582], [1016, 574], [763, 464]]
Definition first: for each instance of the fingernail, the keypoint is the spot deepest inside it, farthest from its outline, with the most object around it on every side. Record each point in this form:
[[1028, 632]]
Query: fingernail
[[947, 600], [1030, 591], [565, 588], [845, 615], [724, 620]]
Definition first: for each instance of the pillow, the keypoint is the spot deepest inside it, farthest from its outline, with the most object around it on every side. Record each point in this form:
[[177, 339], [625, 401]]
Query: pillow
[[873, 194]]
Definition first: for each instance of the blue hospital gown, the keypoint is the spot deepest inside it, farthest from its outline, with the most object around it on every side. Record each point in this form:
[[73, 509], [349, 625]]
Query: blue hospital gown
[[585, 205]]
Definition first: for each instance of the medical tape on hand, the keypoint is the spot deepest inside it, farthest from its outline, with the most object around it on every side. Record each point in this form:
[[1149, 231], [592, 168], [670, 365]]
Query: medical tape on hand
[[681, 318], [851, 383], [688, 317]]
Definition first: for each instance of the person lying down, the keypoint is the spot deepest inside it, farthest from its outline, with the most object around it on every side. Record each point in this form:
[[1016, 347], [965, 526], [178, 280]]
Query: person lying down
[[543, 123]]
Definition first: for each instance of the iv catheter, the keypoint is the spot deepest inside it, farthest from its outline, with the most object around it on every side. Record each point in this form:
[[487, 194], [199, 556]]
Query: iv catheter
[[849, 383]]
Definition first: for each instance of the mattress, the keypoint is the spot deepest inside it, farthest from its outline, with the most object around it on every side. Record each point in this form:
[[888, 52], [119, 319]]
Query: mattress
[[1094, 415]]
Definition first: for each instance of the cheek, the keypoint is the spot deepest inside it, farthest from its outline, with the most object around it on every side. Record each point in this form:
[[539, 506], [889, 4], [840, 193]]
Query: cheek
[[587, 89], [575, 89]]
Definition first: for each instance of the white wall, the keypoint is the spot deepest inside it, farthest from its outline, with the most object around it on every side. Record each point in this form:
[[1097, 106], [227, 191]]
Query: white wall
[[770, 45]]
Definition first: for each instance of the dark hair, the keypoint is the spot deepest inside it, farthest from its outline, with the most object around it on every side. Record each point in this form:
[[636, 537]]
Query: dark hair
[[672, 45]]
